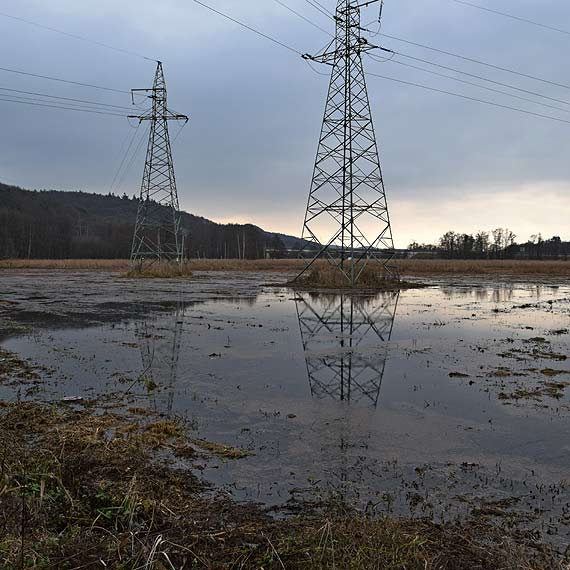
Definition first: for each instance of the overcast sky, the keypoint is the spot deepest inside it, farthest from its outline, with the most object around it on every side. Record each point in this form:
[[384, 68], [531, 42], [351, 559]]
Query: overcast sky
[[256, 109]]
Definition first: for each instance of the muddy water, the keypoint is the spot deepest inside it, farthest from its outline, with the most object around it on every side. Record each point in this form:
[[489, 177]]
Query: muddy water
[[433, 402]]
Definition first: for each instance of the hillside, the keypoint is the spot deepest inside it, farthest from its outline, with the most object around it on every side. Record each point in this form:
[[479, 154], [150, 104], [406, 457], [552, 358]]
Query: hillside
[[49, 224]]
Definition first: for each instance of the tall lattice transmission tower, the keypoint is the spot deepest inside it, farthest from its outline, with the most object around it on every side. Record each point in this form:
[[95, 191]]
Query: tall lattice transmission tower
[[347, 220], [157, 234]]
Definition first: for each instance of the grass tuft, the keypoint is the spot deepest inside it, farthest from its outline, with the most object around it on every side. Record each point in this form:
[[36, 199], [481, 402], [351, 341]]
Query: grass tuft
[[374, 277], [160, 271], [220, 450]]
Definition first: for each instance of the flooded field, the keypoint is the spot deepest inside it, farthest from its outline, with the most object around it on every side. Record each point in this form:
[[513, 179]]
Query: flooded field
[[441, 402]]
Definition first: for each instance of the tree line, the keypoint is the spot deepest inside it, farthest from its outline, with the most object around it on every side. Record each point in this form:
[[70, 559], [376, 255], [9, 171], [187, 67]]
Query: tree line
[[78, 225], [499, 243]]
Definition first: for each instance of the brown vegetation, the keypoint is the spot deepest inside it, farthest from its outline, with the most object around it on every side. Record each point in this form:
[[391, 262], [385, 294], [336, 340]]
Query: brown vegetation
[[84, 488], [406, 267], [499, 267], [160, 271], [370, 277]]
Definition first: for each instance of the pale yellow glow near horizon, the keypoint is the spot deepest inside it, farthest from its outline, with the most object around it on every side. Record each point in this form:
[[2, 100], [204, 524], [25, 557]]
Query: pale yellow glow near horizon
[[527, 210]]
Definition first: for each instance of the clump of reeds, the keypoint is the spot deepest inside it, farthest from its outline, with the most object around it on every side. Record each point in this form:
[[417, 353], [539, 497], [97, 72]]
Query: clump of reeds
[[373, 276], [162, 270]]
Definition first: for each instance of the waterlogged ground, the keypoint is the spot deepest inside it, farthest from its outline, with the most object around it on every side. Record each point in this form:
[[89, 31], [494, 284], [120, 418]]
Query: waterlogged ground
[[442, 402]]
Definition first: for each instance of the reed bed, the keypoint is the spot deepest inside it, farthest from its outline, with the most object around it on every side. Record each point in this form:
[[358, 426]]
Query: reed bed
[[160, 271], [406, 267], [67, 264], [371, 277], [483, 267]]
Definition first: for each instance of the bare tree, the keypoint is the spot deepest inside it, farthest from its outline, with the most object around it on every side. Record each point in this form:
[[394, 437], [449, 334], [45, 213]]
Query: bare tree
[[482, 242]]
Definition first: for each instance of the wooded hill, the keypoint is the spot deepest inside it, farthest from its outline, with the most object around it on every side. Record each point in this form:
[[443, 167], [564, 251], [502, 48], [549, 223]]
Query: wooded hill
[[48, 224]]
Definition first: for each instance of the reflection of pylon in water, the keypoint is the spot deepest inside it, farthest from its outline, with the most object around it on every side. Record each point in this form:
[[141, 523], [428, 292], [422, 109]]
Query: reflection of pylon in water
[[340, 338], [160, 352]]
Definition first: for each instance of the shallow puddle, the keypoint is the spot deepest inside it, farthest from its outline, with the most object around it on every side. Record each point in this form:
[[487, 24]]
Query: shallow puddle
[[431, 402]]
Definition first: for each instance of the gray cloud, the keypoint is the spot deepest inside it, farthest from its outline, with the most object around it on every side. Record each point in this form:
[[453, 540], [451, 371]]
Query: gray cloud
[[256, 108]]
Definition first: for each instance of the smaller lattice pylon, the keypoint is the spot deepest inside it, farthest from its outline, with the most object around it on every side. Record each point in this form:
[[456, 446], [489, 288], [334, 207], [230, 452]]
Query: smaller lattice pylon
[[157, 236]]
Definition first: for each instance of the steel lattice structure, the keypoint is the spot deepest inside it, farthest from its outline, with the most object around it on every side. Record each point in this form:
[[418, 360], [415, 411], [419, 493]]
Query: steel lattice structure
[[343, 336], [159, 341], [157, 229], [347, 220]]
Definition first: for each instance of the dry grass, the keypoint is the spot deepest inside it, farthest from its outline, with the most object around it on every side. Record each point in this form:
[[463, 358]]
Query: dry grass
[[371, 277], [406, 267], [84, 489], [420, 267], [160, 271], [66, 264]]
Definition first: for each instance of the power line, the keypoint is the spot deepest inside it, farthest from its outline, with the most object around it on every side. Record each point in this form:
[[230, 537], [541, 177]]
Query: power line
[[323, 7], [320, 8], [308, 62], [430, 71], [514, 72], [131, 161], [76, 37], [124, 157], [477, 85], [513, 17], [60, 103], [7, 70], [466, 97], [482, 78], [180, 129], [469, 98], [302, 17], [247, 27], [5, 100], [54, 105], [93, 103]]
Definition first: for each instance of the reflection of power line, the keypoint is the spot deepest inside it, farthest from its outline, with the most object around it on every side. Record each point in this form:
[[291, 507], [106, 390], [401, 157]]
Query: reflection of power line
[[160, 351], [341, 336]]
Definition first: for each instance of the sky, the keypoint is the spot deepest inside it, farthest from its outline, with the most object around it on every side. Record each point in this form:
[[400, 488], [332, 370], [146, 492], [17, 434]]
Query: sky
[[256, 109]]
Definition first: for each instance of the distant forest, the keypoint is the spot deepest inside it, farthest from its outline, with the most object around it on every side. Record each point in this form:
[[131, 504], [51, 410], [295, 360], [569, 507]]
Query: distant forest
[[47, 224], [497, 244]]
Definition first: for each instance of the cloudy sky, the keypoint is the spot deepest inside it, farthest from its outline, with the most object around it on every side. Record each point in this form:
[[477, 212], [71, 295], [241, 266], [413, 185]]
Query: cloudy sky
[[256, 109]]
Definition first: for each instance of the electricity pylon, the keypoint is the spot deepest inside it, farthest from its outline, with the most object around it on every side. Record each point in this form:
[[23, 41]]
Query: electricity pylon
[[157, 229], [347, 220], [345, 343]]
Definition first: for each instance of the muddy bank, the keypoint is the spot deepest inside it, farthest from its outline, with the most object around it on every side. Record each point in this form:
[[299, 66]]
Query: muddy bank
[[91, 485]]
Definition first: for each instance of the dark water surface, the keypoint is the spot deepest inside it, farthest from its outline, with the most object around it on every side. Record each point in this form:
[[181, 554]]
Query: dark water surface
[[428, 402]]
